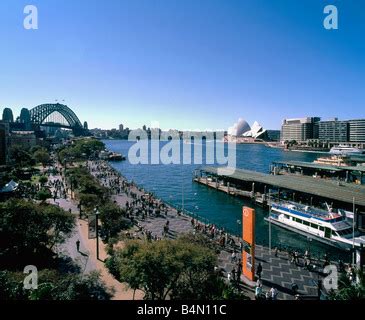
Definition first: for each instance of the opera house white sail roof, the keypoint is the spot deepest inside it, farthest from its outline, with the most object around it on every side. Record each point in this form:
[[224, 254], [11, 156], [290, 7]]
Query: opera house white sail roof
[[242, 129]]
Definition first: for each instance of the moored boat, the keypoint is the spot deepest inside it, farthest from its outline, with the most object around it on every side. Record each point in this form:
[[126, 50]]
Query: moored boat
[[327, 226], [345, 149]]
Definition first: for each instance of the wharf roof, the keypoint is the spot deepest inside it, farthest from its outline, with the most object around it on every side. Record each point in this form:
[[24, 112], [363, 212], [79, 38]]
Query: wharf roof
[[325, 188]]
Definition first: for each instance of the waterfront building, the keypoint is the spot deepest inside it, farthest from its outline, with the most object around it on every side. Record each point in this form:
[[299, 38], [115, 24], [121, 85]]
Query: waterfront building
[[242, 131], [239, 128], [300, 129], [333, 130], [121, 127], [24, 139], [273, 135], [357, 130]]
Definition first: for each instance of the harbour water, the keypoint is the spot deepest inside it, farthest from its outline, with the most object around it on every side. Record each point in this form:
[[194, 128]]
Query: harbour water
[[173, 184]]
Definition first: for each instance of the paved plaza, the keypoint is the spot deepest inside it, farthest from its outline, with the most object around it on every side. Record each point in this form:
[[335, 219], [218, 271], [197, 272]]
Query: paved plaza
[[277, 272]]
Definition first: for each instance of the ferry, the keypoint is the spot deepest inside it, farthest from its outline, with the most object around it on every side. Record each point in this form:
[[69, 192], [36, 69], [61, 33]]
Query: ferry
[[327, 226], [111, 156], [345, 149]]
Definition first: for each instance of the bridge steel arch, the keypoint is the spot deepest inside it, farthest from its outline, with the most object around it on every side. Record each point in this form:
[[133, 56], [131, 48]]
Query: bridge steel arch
[[40, 113]]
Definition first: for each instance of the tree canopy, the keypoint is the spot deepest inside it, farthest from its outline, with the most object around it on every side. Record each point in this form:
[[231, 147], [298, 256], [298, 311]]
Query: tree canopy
[[80, 149], [173, 269], [28, 229], [53, 285]]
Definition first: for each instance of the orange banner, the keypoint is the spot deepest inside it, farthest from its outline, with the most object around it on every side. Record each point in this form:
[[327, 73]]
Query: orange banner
[[248, 237]]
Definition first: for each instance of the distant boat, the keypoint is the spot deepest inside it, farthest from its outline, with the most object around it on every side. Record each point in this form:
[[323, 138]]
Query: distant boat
[[111, 156], [345, 149], [326, 226]]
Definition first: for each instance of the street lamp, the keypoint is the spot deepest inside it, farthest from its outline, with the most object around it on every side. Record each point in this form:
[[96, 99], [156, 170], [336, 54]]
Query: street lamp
[[96, 211]]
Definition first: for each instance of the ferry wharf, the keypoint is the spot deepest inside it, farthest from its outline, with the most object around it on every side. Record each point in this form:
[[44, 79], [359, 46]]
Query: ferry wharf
[[258, 186]]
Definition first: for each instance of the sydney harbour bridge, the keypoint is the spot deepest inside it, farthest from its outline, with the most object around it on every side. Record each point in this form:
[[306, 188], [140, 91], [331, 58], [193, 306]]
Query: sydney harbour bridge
[[47, 115]]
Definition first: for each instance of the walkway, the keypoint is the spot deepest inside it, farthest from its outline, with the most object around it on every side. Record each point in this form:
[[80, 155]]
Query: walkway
[[86, 256], [277, 272]]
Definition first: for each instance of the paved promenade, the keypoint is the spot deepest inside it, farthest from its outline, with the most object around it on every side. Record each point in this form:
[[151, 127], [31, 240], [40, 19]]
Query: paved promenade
[[277, 272], [85, 257]]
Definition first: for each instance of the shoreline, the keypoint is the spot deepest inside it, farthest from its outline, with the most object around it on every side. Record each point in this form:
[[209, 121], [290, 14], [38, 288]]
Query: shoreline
[[181, 223], [183, 212]]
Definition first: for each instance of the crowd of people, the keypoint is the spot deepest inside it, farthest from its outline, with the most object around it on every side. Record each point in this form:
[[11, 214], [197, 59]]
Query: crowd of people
[[141, 205]]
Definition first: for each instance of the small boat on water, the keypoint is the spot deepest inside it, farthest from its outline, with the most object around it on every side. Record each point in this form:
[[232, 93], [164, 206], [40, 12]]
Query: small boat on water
[[111, 156], [345, 149], [327, 226]]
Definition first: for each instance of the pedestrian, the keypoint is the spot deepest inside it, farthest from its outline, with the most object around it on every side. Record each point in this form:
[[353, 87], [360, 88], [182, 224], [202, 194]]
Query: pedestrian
[[276, 252], [259, 270], [233, 257], [78, 245], [296, 258], [233, 274], [273, 293], [268, 295], [341, 266], [258, 283], [258, 292]]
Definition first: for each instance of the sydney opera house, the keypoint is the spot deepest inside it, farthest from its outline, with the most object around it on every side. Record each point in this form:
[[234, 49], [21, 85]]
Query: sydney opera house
[[242, 132]]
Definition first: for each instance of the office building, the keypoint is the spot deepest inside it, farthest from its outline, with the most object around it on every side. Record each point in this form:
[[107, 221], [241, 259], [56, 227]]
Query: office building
[[357, 130], [273, 135], [300, 129], [23, 139], [333, 131]]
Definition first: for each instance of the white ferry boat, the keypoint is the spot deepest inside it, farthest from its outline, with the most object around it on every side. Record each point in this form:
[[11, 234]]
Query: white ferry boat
[[325, 226], [344, 149]]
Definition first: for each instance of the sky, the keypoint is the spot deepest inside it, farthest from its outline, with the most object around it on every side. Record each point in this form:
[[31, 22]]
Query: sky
[[186, 64]]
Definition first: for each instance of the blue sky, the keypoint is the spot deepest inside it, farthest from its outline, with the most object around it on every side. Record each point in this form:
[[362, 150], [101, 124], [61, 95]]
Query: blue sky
[[189, 64]]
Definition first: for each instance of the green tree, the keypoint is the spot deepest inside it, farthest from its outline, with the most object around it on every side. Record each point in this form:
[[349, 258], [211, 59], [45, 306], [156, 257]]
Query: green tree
[[20, 156], [43, 195], [41, 156], [348, 290], [53, 285], [43, 180], [28, 229], [173, 269], [80, 149], [113, 220], [89, 201]]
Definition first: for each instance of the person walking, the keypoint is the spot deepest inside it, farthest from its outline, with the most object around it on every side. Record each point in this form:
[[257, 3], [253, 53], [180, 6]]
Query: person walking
[[258, 292], [78, 245], [273, 293], [259, 270], [233, 257]]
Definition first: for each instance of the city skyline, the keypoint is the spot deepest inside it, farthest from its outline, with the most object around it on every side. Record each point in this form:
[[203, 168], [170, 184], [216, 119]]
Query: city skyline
[[187, 65]]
